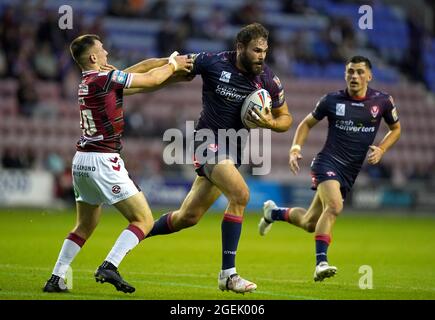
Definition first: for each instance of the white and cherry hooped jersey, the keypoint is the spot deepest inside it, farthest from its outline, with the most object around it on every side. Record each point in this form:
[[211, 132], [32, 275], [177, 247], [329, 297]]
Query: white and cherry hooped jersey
[[99, 173], [101, 110]]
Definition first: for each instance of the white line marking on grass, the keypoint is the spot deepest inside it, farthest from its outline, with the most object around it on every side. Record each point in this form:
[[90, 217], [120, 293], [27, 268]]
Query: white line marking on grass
[[189, 275], [164, 283], [180, 284], [66, 295]]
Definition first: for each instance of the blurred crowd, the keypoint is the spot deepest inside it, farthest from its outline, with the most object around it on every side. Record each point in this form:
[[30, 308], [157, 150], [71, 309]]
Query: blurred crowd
[[33, 48], [31, 42]]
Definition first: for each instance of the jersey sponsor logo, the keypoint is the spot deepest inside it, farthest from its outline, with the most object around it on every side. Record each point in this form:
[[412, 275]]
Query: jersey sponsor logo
[[394, 114], [119, 76], [80, 174], [374, 110], [278, 82], [230, 94], [79, 167], [331, 174], [83, 89], [357, 104], [192, 56], [115, 161], [229, 252], [225, 76], [281, 97], [349, 125], [116, 189], [340, 109]]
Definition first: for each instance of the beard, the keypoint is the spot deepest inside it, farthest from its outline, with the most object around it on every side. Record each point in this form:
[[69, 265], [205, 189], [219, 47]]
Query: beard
[[249, 66]]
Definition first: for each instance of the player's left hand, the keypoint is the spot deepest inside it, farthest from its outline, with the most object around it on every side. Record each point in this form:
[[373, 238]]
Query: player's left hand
[[263, 120], [375, 155]]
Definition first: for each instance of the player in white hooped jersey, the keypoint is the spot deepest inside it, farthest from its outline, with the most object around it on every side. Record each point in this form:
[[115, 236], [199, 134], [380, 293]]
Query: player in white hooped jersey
[[99, 174]]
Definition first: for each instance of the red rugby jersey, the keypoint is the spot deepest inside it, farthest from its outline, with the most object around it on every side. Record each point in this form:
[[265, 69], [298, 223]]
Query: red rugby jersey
[[101, 112]]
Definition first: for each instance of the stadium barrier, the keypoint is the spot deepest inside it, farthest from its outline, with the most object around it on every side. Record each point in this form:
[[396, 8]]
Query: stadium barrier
[[26, 188], [383, 197], [171, 193]]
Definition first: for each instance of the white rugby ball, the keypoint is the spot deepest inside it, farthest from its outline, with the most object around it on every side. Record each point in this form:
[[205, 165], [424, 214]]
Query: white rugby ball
[[259, 99]]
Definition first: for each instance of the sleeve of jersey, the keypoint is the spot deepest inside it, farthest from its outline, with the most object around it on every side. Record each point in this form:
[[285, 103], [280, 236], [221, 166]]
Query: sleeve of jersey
[[390, 113], [275, 88], [320, 111], [120, 79], [200, 61]]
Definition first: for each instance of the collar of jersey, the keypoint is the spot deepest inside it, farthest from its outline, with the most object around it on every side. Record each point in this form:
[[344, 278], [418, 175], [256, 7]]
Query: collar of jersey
[[85, 73], [357, 98]]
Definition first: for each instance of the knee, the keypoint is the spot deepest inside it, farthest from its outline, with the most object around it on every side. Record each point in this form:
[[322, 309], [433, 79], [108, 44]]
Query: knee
[[240, 197], [334, 208]]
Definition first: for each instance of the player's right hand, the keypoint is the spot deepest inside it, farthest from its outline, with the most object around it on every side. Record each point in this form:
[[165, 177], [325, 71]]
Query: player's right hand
[[295, 156]]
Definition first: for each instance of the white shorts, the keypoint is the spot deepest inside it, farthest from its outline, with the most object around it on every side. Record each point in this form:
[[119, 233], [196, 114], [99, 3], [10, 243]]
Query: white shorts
[[101, 178]]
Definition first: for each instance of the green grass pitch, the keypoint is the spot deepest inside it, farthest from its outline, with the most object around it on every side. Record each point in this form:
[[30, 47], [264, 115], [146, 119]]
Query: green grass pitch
[[399, 249]]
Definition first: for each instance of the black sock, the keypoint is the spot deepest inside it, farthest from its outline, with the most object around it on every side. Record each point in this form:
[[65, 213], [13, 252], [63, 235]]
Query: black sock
[[322, 244], [231, 228], [162, 225]]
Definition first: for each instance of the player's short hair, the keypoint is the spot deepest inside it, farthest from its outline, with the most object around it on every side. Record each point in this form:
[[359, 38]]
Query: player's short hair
[[250, 32], [80, 45], [359, 59]]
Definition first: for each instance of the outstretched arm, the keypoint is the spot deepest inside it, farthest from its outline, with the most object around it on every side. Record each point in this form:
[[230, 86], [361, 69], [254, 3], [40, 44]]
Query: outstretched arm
[[174, 78], [387, 142], [155, 77], [147, 65], [301, 135]]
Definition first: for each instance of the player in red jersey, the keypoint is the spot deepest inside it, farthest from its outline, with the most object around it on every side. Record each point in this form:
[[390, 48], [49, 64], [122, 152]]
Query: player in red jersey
[[99, 175]]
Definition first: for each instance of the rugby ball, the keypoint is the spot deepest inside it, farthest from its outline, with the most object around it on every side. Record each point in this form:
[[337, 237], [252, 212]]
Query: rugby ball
[[259, 99]]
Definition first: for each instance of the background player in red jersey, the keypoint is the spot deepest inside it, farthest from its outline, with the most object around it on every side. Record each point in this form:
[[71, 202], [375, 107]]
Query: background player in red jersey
[[99, 175], [354, 117]]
